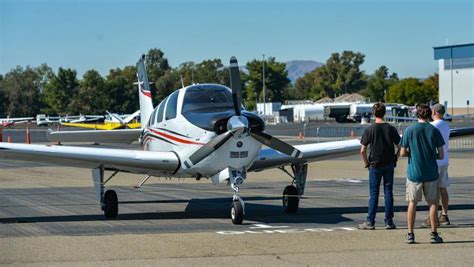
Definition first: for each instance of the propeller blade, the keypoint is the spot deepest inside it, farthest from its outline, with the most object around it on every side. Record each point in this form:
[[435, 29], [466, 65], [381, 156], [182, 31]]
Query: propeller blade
[[207, 149], [277, 144], [235, 85]]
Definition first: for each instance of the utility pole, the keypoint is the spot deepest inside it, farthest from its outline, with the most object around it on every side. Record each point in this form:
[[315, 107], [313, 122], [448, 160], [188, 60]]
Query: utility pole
[[263, 88], [452, 91]]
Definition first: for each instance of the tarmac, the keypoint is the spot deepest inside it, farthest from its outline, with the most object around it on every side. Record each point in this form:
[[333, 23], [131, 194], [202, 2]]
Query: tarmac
[[50, 216]]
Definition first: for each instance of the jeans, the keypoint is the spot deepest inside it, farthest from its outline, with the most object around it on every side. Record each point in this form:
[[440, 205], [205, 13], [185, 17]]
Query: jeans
[[375, 177]]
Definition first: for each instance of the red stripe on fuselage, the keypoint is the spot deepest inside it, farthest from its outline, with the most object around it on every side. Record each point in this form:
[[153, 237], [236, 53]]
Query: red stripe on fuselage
[[146, 93], [174, 138]]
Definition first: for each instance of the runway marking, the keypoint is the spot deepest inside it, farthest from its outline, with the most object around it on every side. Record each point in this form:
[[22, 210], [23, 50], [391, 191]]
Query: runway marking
[[265, 226], [355, 181], [286, 231]]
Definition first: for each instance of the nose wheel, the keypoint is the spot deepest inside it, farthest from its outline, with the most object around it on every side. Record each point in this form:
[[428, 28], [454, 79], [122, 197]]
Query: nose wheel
[[236, 212]]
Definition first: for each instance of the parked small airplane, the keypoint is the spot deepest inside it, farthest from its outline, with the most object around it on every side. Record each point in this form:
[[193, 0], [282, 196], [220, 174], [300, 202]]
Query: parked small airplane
[[112, 121], [8, 122], [197, 131]]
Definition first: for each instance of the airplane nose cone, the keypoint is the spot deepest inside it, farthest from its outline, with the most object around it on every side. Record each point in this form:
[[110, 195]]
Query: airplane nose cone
[[238, 125]]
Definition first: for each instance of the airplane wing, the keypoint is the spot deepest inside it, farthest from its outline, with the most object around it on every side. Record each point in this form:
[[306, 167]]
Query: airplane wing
[[124, 136], [135, 161], [270, 158], [25, 119], [100, 126], [130, 117]]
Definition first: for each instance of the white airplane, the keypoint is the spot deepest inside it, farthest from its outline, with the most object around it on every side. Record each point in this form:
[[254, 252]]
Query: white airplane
[[7, 122], [123, 120], [197, 131]]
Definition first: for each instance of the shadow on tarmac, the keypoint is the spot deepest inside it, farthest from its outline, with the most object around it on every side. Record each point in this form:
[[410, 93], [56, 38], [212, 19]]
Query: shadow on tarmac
[[218, 208]]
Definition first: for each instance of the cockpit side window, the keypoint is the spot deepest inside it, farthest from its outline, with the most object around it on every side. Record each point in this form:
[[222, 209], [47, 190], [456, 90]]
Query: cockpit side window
[[152, 117], [171, 106], [161, 109]]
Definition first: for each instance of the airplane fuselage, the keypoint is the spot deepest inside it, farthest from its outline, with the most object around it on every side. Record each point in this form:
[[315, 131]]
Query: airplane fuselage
[[180, 123]]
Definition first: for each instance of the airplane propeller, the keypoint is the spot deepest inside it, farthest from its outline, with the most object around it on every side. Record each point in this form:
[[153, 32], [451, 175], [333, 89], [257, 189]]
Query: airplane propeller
[[238, 125]]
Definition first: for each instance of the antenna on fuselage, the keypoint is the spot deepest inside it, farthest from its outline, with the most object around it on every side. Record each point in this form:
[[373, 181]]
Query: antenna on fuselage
[[182, 82]]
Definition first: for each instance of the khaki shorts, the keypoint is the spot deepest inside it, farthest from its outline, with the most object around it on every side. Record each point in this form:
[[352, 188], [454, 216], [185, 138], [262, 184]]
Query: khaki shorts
[[428, 189], [443, 176]]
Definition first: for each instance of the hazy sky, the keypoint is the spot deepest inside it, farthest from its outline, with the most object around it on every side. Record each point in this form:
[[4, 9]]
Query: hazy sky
[[106, 34]]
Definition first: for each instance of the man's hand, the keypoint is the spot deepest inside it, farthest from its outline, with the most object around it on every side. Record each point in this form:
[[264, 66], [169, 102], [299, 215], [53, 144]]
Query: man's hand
[[363, 154]]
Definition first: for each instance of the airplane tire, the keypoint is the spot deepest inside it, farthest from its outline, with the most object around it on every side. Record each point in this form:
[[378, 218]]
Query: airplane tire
[[290, 199], [236, 212], [110, 204]]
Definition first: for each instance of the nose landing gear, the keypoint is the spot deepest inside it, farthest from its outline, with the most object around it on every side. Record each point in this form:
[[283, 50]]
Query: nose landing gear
[[237, 209]]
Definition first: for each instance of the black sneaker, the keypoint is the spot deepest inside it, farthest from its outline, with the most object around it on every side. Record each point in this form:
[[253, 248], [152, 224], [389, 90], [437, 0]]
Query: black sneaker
[[427, 223], [389, 225], [366, 226], [436, 239], [410, 238]]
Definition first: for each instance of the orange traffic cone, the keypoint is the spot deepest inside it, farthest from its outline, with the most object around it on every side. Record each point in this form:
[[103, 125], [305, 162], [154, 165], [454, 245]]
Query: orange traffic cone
[[28, 138], [9, 139]]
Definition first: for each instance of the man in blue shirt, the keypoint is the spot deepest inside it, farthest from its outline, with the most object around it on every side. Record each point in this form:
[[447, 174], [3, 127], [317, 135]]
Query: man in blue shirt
[[423, 144]]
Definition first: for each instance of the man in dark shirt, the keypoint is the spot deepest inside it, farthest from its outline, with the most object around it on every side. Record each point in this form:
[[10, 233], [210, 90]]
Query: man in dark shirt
[[381, 138]]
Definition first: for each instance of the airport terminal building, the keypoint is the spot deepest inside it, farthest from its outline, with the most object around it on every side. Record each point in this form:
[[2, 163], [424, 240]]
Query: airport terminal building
[[456, 77]]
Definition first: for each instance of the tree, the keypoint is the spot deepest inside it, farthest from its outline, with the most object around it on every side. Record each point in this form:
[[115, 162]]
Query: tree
[[21, 91], [411, 91], [340, 74], [92, 97], [156, 64], [378, 84], [121, 90], [432, 81], [276, 81], [60, 91]]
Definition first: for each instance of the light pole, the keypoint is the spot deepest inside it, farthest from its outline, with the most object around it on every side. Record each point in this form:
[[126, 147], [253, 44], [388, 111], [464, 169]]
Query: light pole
[[263, 87]]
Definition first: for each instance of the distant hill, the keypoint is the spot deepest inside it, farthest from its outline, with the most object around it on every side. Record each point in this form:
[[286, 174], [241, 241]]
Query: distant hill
[[298, 68]]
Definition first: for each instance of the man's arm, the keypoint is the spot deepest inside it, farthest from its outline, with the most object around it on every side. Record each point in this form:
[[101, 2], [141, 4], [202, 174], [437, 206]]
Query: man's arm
[[363, 154], [398, 151], [440, 153]]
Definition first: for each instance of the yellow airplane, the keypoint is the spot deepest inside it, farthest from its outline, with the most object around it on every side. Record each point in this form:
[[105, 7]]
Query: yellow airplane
[[115, 122]]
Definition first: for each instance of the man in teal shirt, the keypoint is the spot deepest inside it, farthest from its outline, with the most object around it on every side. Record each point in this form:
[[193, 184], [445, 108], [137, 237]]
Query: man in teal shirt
[[423, 144]]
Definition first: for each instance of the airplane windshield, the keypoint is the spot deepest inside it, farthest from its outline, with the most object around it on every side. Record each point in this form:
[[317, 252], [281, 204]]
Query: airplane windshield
[[209, 98]]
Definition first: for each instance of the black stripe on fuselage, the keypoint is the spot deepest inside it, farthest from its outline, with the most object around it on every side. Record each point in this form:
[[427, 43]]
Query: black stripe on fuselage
[[163, 129], [157, 137]]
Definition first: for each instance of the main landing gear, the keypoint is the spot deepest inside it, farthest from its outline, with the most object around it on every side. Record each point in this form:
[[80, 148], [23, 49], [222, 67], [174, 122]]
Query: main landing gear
[[292, 193], [108, 199]]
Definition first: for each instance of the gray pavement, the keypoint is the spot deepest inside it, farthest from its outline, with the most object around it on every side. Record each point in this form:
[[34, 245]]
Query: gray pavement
[[50, 216]]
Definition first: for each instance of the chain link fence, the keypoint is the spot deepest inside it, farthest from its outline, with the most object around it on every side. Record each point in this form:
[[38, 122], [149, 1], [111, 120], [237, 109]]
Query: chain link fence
[[323, 133]]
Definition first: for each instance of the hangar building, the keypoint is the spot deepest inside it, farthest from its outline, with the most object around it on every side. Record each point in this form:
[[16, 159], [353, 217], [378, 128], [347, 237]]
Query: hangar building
[[456, 77]]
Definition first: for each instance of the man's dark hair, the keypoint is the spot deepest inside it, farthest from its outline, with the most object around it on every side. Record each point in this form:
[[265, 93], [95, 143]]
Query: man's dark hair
[[423, 111], [379, 110]]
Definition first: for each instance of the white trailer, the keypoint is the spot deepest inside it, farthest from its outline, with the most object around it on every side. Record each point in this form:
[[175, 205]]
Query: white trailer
[[360, 110]]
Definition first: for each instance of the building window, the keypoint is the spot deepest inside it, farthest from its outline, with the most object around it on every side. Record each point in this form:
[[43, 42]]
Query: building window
[[459, 63]]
